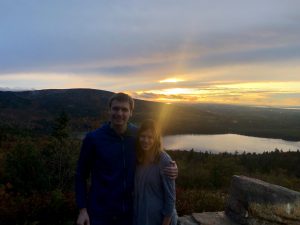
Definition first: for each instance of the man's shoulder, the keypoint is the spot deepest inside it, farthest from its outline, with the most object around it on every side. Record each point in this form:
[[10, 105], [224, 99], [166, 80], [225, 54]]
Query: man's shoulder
[[132, 126], [105, 130], [132, 129], [98, 132]]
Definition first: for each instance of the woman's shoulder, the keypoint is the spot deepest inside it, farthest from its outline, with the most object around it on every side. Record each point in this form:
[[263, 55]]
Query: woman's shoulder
[[164, 158]]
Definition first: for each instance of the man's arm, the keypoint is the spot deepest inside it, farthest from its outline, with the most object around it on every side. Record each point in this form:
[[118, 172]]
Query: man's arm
[[171, 171], [82, 173], [166, 220]]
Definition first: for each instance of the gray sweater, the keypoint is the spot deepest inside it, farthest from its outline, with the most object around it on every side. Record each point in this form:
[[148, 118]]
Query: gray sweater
[[154, 194]]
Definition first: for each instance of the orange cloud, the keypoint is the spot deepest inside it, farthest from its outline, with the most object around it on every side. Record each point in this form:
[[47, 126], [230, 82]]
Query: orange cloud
[[254, 93]]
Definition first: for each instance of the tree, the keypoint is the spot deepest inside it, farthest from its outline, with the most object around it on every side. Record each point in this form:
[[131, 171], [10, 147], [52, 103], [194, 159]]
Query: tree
[[24, 168], [61, 129], [60, 155], [60, 160]]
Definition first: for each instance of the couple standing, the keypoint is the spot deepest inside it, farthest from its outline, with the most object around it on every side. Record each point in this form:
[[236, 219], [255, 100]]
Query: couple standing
[[132, 181]]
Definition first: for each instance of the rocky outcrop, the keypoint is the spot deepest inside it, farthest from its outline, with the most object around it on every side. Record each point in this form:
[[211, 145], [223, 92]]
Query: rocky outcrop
[[206, 218], [252, 202]]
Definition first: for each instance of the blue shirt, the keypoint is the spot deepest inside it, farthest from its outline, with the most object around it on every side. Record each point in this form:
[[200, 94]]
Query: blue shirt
[[110, 160], [154, 194]]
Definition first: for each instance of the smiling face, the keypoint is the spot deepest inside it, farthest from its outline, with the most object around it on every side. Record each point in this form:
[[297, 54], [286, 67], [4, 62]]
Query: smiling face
[[146, 140], [119, 114]]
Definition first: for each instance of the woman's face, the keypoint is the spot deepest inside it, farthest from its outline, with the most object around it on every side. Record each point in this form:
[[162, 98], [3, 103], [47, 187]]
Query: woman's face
[[146, 140]]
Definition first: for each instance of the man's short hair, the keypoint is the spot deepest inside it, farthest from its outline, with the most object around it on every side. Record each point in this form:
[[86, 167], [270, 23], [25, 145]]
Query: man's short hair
[[122, 97]]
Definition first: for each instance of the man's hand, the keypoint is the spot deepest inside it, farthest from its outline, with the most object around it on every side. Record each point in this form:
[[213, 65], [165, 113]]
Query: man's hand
[[83, 217], [171, 171]]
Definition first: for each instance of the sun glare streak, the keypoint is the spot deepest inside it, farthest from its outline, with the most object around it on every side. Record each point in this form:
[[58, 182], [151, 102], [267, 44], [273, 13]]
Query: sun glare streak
[[165, 115]]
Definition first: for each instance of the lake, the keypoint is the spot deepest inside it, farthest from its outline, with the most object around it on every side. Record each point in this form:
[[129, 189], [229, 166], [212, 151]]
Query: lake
[[227, 142]]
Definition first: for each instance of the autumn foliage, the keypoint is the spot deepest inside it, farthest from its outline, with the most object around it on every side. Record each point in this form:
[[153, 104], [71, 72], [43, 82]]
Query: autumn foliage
[[37, 176]]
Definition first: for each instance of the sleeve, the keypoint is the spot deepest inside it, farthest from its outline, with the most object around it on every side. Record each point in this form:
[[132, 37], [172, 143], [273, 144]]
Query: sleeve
[[83, 171], [168, 186]]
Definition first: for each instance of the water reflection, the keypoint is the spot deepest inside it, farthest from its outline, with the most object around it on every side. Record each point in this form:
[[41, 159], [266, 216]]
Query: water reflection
[[228, 143]]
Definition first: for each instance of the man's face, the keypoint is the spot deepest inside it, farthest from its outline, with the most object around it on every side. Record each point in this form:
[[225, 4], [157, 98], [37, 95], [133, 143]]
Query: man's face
[[119, 113]]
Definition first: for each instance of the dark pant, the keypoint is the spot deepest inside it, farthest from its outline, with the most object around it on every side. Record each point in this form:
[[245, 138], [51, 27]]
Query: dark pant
[[112, 220]]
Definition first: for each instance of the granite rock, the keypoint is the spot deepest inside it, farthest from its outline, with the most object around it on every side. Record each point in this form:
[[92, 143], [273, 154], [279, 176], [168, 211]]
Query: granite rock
[[213, 218], [252, 202]]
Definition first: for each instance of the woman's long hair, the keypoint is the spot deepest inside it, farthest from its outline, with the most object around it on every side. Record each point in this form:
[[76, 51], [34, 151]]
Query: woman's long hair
[[156, 149]]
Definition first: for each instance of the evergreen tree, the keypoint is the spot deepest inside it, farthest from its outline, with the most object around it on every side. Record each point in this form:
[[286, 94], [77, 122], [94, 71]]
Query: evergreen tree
[[60, 155], [61, 129]]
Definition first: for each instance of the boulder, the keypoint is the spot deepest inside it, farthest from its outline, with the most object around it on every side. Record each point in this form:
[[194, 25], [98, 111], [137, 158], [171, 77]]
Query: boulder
[[187, 220], [206, 218], [252, 201], [213, 218]]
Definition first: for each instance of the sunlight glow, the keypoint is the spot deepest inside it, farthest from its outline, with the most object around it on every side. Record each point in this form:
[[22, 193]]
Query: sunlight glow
[[253, 93], [286, 87], [193, 90], [171, 80]]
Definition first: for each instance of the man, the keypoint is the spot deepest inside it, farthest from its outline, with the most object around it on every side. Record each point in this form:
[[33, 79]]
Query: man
[[108, 154]]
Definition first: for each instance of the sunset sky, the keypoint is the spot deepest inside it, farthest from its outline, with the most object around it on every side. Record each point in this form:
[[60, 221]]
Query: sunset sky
[[232, 51]]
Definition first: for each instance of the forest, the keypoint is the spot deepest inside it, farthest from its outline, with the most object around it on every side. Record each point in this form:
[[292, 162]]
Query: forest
[[37, 175]]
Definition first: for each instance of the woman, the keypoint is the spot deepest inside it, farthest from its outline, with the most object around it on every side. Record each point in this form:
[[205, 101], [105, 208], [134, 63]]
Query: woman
[[154, 194]]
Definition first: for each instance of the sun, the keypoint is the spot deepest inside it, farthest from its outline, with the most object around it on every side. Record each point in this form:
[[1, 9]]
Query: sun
[[171, 80]]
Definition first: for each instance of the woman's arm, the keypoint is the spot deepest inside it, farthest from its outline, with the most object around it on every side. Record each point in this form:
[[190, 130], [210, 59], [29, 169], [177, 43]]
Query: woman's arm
[[169, 191]]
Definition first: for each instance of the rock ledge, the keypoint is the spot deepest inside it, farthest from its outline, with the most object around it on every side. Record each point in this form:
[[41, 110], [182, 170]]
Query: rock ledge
[[252, 202]]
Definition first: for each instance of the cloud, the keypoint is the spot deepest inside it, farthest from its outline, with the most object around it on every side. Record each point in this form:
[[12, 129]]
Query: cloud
[[264, 93], [132, 45], [45, 36]]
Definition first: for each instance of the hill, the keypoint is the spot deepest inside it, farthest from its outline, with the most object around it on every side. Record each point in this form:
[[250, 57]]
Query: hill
[[34, 111]]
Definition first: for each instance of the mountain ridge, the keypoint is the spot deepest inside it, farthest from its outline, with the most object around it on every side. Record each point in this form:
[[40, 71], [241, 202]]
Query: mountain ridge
[[87, 109]]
